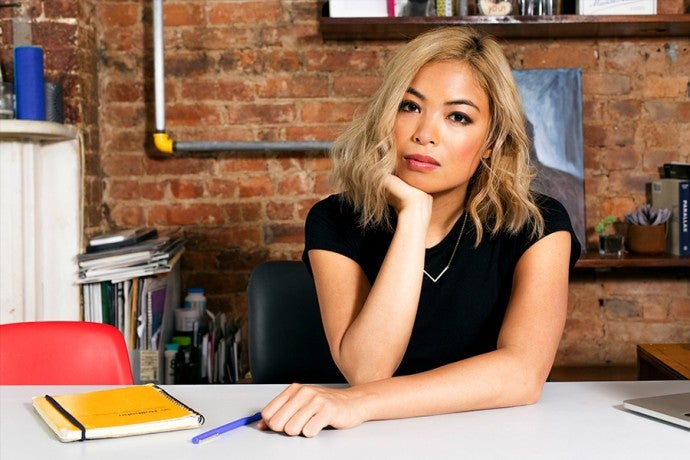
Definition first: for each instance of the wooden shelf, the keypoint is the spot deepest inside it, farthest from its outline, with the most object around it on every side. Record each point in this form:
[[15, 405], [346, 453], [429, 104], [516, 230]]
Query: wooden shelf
[[592, 260], [513, 27]]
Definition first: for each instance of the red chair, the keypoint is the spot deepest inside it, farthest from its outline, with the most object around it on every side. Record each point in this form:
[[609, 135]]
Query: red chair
[[63, 353]]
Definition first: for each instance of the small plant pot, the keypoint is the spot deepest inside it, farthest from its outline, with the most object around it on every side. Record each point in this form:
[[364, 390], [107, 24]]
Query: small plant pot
[[647, 239], [611, 246]]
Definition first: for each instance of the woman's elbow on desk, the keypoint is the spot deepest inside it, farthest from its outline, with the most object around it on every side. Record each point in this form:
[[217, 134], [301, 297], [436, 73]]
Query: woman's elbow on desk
[[360, 378], [532, 394], [357, 373], [525, 390]]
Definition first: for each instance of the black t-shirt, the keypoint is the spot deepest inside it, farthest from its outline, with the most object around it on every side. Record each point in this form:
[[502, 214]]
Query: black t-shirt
[[460, 315]]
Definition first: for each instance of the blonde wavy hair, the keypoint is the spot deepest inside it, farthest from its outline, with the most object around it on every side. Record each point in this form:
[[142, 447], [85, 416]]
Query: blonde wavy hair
[[499, 193]]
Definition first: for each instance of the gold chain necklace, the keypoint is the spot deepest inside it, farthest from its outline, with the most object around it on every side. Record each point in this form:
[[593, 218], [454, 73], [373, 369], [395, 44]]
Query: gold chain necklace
[[457, 243]]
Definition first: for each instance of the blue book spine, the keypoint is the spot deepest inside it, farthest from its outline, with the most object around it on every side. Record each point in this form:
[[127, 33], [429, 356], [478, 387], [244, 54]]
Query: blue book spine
[[683, 216]]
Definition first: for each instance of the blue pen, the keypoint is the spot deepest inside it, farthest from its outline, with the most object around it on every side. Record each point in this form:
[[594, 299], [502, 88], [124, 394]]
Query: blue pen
[[227, 427]]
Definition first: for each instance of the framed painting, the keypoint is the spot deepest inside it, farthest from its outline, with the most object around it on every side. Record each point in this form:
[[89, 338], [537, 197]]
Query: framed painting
[[552, 99]]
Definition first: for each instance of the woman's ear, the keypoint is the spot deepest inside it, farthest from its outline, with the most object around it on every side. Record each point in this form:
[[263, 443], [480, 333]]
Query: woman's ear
[[487, 154]]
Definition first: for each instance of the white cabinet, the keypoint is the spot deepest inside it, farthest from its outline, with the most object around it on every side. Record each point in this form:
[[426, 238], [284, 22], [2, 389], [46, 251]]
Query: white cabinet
[[40, 220]]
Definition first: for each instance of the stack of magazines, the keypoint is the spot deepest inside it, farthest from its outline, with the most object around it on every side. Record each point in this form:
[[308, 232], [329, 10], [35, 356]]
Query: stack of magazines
[[129, 254]]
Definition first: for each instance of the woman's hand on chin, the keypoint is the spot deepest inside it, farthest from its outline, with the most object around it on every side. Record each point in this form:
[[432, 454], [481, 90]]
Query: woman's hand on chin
[[403, 196]]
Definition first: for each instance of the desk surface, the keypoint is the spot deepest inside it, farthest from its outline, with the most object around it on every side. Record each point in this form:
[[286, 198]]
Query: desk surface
[[571, 421]]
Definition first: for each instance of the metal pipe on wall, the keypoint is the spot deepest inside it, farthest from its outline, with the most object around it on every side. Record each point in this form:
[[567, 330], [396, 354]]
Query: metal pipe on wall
[[161, 138]]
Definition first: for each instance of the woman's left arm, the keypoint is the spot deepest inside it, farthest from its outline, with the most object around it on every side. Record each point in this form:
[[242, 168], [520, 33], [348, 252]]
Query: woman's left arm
[[535, 318], [512, 375]]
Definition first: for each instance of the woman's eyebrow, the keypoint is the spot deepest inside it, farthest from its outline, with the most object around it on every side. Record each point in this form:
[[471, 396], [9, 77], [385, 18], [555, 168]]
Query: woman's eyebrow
[[416, 93], [463, 102]]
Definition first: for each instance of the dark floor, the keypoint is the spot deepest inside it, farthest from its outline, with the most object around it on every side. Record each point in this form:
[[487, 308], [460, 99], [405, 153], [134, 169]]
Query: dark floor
[[592, 373]]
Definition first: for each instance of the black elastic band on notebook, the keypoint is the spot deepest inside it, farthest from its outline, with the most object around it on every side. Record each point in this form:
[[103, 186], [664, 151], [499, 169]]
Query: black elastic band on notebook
[[67, 415]]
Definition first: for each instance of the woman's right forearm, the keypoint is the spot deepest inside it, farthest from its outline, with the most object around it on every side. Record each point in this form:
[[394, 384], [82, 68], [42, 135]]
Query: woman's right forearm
[[375, 342]]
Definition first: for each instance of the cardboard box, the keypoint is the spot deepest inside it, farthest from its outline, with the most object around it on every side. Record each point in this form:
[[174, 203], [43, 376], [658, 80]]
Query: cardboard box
[[358, 8], [604, 7]]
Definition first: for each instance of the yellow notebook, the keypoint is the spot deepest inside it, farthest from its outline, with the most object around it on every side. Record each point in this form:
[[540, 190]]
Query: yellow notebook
[[124, 411]]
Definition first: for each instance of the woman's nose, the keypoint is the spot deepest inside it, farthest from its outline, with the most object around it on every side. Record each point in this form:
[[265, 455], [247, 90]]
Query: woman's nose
[[426, 132]]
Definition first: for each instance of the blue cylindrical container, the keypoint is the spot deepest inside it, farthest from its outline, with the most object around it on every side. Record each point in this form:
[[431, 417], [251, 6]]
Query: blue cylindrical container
[[29, 83]]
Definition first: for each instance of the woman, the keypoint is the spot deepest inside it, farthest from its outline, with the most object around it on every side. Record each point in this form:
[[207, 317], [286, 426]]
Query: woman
[[442, 277]]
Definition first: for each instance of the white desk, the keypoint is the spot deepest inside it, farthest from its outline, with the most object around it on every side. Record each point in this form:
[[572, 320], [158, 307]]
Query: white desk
[[572, 421]]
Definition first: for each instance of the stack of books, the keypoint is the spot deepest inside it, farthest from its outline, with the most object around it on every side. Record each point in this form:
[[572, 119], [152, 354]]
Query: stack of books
[[130, 279], [129, 254], [672, 191]]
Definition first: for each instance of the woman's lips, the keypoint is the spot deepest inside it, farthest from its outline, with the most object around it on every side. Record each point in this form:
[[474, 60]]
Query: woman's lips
[[421, 162]]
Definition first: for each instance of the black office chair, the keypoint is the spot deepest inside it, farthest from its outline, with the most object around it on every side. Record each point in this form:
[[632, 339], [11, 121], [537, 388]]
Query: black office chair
[[286, 339]]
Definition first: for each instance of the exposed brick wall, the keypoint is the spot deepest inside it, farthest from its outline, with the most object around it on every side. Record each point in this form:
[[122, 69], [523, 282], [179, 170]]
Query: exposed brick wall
[[610, 312], [259, 70], [66, 31]]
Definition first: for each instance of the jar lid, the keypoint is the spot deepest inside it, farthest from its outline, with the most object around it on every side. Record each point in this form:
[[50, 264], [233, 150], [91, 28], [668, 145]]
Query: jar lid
[[195, 290]]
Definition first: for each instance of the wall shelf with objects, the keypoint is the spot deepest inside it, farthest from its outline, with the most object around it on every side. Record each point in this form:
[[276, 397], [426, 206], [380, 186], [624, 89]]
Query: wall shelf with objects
[[514, 27], [592, 260]]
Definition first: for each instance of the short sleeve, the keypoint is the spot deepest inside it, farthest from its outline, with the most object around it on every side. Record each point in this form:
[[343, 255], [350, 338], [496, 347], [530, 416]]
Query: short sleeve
[[329, 226], [556, 219]]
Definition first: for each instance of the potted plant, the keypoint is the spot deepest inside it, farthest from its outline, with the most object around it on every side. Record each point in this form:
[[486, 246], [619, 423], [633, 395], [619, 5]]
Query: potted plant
[[647, 229], [610, 241]]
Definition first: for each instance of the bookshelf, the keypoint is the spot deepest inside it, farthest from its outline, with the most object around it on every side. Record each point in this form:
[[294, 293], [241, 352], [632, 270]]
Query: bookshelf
[[134, 302], [136, 287], [510, 27]]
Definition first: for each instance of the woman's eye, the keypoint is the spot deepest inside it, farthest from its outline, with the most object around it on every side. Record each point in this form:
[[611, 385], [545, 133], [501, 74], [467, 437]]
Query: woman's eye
[[408, 106], [461, 118]]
